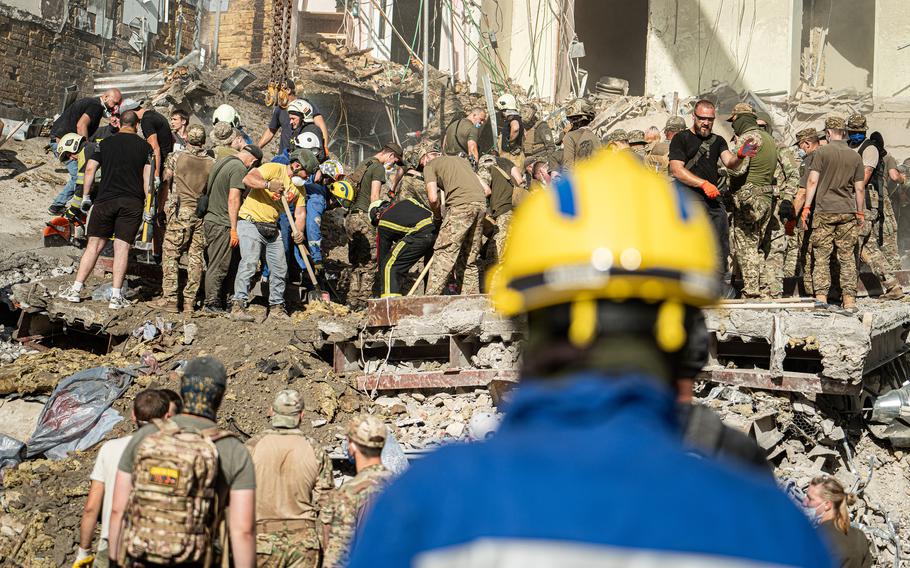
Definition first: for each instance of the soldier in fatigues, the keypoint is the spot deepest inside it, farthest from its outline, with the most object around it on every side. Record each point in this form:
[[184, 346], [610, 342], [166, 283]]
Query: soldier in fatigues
[[872, 151], [893, 181], [458, 243], [293, 482], [185, 176], [760, 259], [835, 186], [580, 142], [807, 142], [367, 178], [366, 437], [659, 154]]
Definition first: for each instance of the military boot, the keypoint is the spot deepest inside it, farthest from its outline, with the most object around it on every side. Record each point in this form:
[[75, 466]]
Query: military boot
[[166, 305], [239, 311], [849, 303], [895, 292]]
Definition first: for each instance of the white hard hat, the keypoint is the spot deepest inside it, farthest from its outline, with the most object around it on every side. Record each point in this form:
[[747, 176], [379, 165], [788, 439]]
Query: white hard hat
[[506, 102], [303, 108], [307, 140], [69, 144], [482, 425], [226, 113]]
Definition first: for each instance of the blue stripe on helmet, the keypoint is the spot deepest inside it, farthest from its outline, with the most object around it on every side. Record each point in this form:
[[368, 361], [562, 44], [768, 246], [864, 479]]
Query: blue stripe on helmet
[[565, 195]]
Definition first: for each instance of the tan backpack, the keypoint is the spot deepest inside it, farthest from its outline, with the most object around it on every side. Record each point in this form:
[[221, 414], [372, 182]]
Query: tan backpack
[[357, 175], [172, 515]]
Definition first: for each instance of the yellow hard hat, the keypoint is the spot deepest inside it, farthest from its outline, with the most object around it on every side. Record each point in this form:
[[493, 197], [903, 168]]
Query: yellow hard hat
[[611, 229], [343, 192]]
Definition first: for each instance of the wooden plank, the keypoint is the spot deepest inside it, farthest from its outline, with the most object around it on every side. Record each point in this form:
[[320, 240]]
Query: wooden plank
[[452, 378], [787, 381]]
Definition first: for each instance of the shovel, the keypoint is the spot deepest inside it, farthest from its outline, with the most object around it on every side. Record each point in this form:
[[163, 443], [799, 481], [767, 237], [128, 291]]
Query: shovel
[[316, 294]]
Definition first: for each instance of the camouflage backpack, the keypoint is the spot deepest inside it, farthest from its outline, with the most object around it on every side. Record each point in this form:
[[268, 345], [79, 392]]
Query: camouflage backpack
[[172, 514], [357, 175]]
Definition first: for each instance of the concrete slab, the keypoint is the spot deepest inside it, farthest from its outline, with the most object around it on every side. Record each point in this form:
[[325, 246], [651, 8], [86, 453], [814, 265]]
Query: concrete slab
[[18, 418]]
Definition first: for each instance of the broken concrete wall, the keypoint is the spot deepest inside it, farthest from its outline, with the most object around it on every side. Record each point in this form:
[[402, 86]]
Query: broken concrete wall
[[838, 39], [890, 77], [692, 43], [36, 64]]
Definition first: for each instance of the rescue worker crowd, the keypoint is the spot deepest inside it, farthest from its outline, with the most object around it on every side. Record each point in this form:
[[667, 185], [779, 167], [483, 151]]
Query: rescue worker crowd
[[779, 210], [612, 298]]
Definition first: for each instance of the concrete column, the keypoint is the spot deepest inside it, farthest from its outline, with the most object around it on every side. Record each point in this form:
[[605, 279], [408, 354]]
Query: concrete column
[[694, 42]]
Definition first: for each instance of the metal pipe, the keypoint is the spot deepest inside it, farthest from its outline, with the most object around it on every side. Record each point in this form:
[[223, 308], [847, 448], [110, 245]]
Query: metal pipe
[[217, 30], [426, 50]]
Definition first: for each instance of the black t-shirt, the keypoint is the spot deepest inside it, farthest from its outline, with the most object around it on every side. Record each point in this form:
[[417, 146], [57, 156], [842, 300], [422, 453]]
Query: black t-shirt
[[154, 123], [685, 145], [66, 122], [122, 157], [312, 128]]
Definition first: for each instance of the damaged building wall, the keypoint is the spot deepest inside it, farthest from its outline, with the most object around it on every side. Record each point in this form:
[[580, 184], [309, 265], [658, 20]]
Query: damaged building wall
[[749, 45], [33, 61], [838, 38], [891, 75]]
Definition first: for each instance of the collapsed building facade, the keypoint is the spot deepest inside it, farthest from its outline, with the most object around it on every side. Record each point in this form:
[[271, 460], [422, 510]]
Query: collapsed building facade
[[819, 390]]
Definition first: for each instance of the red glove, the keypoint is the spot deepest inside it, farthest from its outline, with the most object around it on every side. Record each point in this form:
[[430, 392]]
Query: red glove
[[235, 240], [805, 217], [747, 150], [710, 189]]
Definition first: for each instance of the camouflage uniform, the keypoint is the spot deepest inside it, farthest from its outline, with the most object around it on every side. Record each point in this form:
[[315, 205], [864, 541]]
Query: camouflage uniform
[[759, 242], [834, 231], [872, 254], [786, 176], [350, 501], [288, 542], [458, 247], [361, 254], [184, 234]]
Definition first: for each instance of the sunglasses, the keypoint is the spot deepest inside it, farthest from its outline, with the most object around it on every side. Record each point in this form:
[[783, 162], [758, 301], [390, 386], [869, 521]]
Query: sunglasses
[[705, 118]]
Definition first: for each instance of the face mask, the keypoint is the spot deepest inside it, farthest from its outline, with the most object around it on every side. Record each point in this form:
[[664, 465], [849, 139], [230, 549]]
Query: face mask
[[801, 153], [478, 125], [348, 455], [298, 181], [742, 122], [857, 138]]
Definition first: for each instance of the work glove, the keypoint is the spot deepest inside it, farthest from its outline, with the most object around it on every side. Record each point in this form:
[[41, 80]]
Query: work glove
[[298, 237], [235, 240], [157, 183], [710, 189], [318, 268], [86, 204], [149, 216], [805, 217], [84, 558], [74, 206], [747, 150], [786, 212]]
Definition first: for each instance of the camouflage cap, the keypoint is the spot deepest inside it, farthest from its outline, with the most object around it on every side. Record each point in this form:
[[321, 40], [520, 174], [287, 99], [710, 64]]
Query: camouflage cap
[[202, 386], [806, 134], [287, 407], [223, 133], [857, 123], [636, 137], [579, 107], [367, 430], [487, 160], [835, 123], [618, 134], [741, 108], [393, 147], [675, 124], [195, 135]]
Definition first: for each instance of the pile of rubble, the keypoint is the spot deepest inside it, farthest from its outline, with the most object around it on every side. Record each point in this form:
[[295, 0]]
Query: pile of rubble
[[426, 420], [810, 436]]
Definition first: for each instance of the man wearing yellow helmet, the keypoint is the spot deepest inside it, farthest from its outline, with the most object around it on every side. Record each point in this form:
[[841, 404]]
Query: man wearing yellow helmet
[[588, 467]]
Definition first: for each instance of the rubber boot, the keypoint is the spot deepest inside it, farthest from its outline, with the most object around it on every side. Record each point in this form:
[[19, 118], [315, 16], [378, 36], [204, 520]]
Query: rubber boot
[[895, 292], [850, 303]]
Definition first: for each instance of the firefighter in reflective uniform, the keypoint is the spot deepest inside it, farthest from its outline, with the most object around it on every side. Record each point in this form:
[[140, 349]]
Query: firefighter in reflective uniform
[[406, 229]]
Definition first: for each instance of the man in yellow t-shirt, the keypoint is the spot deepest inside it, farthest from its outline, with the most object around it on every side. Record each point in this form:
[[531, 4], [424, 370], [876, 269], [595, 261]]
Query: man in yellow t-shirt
[[257, 228]]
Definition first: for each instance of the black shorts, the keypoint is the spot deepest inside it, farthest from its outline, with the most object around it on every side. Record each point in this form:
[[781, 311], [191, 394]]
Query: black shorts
[[120, 217]]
